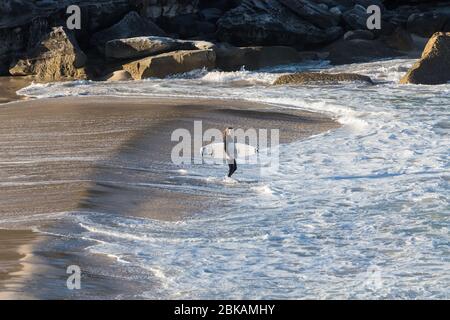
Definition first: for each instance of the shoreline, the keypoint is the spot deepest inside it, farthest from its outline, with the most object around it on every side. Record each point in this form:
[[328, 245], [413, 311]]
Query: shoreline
[[110, 155]]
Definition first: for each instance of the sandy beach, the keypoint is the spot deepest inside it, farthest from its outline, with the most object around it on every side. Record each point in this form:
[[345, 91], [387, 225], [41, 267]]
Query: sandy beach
[[107, 155]]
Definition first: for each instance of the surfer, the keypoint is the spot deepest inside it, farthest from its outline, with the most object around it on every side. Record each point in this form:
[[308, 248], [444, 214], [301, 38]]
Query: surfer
[[230, 150]]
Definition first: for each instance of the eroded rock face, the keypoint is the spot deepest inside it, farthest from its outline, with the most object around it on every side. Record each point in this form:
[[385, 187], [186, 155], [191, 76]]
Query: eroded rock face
[[147, 46], [56, 57], [308, 78], [434, 66], [132, 25], [268, 22], [166, 64]]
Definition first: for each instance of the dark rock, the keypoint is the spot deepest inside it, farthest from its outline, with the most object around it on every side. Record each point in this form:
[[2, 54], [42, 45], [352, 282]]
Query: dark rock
[[205, 27], [211, 14], [400, 40], [233, 58], [132, 25], [183, 26], [368, 3], [156, 9], [310, 78], [268, 22], [359, 34], [100, 13], [313, 13], [426, 24], [434, 66], [356, 19], [354, 51]]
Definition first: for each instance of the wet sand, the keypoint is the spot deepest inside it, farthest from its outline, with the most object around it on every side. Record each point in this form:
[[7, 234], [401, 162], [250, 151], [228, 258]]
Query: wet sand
[[107, 155], [10, 85]]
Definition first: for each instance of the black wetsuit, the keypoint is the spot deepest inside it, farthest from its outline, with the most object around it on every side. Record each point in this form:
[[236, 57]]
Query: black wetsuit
[[232, 168]]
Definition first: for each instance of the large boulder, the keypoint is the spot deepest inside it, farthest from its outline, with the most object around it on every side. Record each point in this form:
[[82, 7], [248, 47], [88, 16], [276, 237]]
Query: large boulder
[[434, 66], [355, 51], [148, 46], [400, 40], [166, 64], [56, 57], [234, 58], [132, 25], [356, 19], [310, 78], [268, 22], [312, 12], [426, 24]]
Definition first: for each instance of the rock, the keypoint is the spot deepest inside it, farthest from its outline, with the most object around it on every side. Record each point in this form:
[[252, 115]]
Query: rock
[[101, 13], [419, 43], [400, 40], [354, 51], [56, 57], [147, 46], [205, 27], [367, 3], [167, 64], [233, 58], [155, 9], [434, 66], [426, 24], [120, 75], [308, 78], [313, 13], [182, 26], [359, 34], [356, 18], [268, 22], [11, 42], [336, 11], [211, 14], [132, 25]]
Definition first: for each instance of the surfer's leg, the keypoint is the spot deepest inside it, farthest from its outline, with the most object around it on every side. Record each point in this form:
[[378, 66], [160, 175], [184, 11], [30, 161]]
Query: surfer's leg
[[233, 168], [230, 170]]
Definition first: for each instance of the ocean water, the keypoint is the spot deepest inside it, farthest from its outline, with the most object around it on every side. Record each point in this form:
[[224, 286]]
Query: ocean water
[[357, 212]]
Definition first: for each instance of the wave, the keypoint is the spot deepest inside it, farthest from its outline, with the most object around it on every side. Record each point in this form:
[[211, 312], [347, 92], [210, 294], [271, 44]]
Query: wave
[[370, 198]]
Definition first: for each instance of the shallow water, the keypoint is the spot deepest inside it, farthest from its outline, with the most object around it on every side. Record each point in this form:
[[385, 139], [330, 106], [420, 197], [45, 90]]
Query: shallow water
[[357, 212]]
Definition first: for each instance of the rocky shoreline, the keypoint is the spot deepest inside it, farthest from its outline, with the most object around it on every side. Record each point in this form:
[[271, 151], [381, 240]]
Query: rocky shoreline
[[136, 39]]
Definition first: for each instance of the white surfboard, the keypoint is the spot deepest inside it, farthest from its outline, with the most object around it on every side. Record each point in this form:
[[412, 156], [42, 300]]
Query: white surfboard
[[217, 150]]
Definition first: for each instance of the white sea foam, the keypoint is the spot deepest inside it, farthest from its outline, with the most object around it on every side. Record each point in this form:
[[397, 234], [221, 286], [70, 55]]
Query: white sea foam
[[372, 195]]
